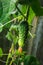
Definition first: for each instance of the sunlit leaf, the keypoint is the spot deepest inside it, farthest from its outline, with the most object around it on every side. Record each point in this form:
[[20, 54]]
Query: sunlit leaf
[[31, 16], [1, 27]]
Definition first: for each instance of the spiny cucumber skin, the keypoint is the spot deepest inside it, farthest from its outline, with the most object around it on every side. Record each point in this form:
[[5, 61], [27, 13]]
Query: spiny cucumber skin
[[23, 31]]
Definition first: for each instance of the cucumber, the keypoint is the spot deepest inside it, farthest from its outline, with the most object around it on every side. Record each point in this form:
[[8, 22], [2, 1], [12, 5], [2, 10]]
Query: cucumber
[[23, 31]]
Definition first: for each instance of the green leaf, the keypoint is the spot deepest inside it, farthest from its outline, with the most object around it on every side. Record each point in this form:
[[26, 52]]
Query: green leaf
[[22, 8], [31, 60], [1, 27], [9, 36], [31, 16], [8, 7], [1, 52]]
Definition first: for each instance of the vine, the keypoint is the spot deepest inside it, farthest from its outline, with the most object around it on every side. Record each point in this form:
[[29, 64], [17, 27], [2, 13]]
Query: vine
[[18, 34]]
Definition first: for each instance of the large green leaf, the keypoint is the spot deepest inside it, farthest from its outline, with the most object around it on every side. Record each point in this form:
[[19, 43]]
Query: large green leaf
[[31, 16], [8, 7]]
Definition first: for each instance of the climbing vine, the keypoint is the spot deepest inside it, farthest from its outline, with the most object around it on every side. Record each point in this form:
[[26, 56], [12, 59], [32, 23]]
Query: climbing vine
[[19, 29]]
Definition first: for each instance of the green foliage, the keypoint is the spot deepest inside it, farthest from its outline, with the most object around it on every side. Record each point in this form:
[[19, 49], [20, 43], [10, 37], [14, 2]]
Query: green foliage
[[1, 8], [9, 36], [31, 60], [17, 34], [1, 52], [31, 16], [27, 60], [1, 27], [22, 8], [35, 5], [8, 8], [12, 35]]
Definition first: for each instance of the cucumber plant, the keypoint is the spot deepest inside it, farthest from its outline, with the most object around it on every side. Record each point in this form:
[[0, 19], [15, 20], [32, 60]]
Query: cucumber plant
[[18, 34]]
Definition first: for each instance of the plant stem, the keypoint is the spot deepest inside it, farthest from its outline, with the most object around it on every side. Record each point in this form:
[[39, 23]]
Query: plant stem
[[11, 62], [9, 55], [12, 20], [20, 11], [2, 61], [4, 54]]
